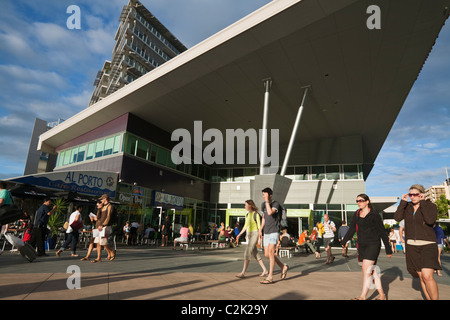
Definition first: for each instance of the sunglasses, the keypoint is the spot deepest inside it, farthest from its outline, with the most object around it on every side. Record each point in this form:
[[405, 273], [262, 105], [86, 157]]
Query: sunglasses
[[413, 194], [360, 200]]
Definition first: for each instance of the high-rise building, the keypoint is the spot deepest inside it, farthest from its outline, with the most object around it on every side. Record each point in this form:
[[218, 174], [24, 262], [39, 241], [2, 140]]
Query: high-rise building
[[433, 193], [142, 44]]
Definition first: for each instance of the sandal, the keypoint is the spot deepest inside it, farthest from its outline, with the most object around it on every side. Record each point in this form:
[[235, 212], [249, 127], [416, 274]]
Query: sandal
[[83, 259], [266, 281], [264, 274], [96, 260], [241, 276], [284, 272]]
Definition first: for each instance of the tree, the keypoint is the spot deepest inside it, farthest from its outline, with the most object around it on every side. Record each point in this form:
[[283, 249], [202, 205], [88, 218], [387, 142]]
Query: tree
[[442, 205]]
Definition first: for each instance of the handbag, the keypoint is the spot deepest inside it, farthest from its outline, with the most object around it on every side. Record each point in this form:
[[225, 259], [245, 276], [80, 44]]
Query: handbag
[[76, 225]]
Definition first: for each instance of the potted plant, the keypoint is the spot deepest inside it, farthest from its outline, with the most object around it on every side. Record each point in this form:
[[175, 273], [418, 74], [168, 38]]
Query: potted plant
[[56, 221]]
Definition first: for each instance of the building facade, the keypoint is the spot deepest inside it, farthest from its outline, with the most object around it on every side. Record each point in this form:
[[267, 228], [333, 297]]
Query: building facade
[[433, 193], [356, 96]]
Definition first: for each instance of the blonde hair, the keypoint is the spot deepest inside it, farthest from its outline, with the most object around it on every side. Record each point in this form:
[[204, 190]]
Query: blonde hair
[[418, 187]]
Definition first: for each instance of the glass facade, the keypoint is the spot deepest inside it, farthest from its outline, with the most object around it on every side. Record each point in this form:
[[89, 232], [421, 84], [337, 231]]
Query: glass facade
[[138, 206], [91, 150]]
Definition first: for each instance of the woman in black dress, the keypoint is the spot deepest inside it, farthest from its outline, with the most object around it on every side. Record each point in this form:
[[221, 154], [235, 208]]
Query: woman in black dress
[[369, 229], [421, 247]]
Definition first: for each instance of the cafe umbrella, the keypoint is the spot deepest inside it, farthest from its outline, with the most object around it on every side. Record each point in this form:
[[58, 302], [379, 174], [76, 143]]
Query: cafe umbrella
[[30, 191]]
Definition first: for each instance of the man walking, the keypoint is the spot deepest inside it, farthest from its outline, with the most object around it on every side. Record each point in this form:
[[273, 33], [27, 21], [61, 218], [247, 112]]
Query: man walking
[[40, 227], [270, 225]]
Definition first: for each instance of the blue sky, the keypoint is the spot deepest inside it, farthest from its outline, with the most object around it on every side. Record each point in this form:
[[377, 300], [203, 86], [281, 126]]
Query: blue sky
[[47, 71]]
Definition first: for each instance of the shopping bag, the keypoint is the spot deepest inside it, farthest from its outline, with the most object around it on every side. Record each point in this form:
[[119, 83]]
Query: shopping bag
[[76, 225]]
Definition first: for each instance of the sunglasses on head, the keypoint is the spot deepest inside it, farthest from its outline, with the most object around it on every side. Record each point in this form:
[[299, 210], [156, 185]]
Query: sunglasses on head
[[413, 194]]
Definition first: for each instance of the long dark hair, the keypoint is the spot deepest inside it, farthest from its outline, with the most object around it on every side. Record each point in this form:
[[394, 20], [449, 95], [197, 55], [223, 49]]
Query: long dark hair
[[366, 197]]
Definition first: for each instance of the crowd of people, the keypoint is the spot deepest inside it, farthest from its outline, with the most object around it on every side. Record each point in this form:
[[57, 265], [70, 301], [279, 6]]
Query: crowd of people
[[422, 240], [420, 236]]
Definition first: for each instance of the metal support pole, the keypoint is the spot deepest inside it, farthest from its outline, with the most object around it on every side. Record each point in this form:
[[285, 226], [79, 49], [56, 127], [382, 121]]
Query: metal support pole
[[263, 146], [294, 131]]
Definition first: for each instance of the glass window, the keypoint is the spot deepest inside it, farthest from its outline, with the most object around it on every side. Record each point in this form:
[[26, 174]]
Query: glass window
[[153, 153], [301, 173], [222, 175], [201, 171], [130, 144], [350, 171], [336, 207], [109, 144], [238, 174], [117, 140], [90, 151], [318, 172], [290, 173], [81, 152], [66, 157], [320, 207], [99, 148], [74, 155], [332, 172], [194, 169], [161, 156], [250, 173], [187, 168], [60, 158], [170, 163], [142, 149]]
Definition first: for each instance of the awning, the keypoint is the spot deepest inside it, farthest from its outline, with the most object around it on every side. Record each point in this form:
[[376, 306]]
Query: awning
[[91, 183]]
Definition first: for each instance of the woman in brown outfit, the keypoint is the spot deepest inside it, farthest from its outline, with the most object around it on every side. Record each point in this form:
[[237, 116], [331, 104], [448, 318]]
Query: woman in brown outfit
[[421, 247]]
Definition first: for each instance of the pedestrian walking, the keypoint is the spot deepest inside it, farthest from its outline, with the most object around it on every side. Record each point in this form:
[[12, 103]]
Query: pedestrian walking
[[165, 232], [319, 240], [369, 229], [72, 234], [93, 218], [270, 227], [441, 238], [341, 234], [104, 229], [40, 227], [328, 237], [393, 240], [421, 248], [252, 226]]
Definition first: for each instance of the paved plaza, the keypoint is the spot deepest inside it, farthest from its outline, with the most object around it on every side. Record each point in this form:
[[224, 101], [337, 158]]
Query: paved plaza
[[157, 273]]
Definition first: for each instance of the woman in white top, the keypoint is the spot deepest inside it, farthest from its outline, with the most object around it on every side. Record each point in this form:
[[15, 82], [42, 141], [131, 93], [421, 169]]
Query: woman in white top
[[72, 235]]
